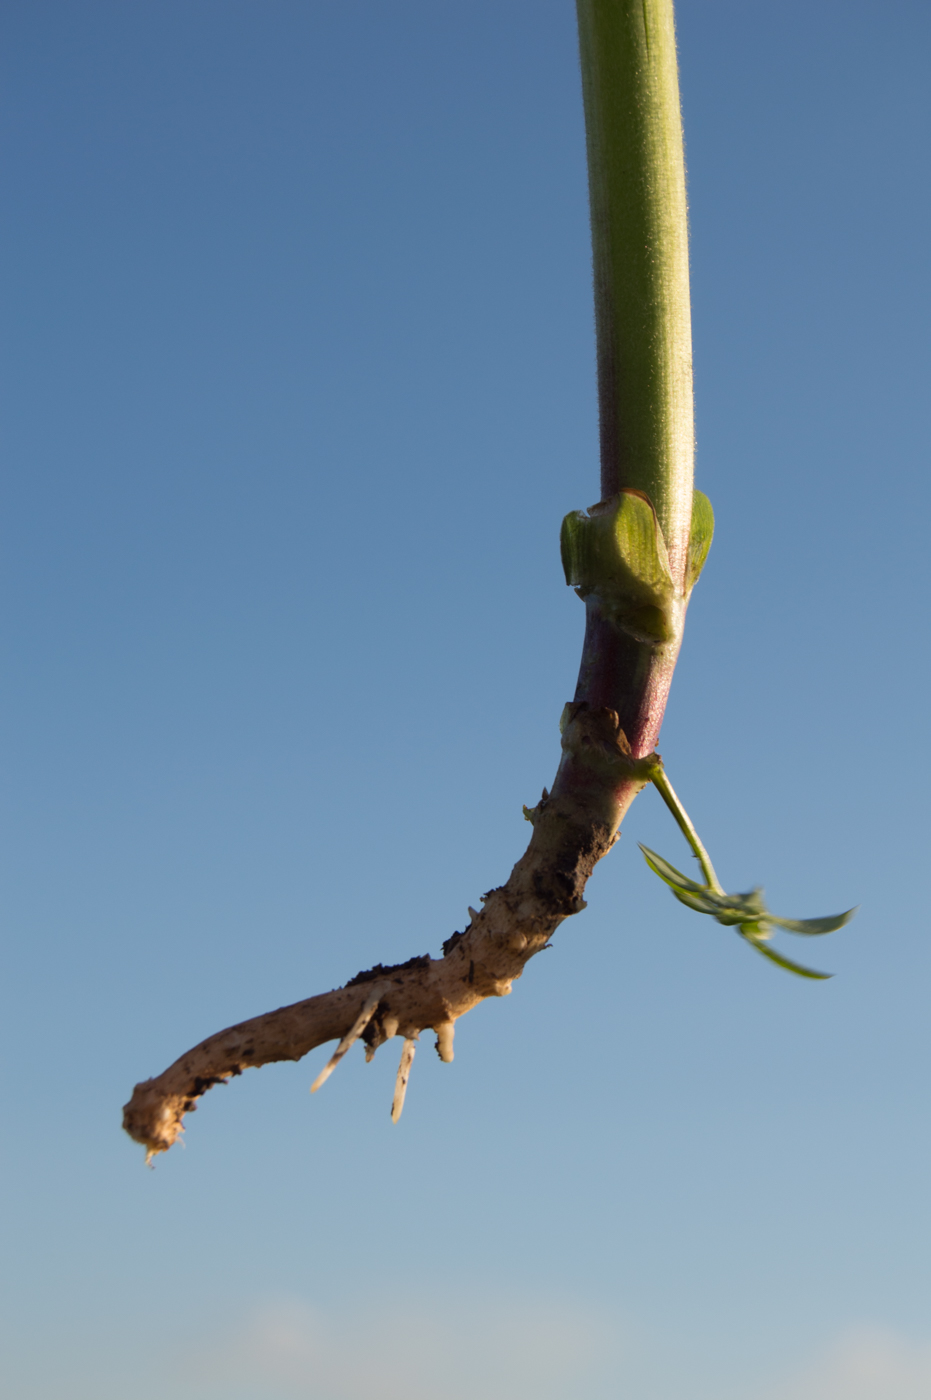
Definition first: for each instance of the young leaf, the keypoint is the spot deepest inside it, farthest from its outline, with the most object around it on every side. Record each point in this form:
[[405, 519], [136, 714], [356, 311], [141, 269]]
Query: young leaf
[[618, 552], [700, 537], [747, 912], [787, 963], [670, 874], [813, 927], [639, 541], [705, 904]]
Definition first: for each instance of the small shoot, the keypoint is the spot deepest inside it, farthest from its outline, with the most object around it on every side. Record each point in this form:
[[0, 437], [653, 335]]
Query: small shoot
[[745, 912], [404, 1074], [349, 1039]]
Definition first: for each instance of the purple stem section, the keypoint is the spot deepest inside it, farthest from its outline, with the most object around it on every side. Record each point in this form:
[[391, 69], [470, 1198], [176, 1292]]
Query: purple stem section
[[633, 678]]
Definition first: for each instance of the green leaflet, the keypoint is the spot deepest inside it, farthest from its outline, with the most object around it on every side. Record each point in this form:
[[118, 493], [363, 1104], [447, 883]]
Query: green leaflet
[[812, 927], [693, 901], [700, 538], [618, 542], [673, 877], [617, 550], [639, 543], [747, 912], [787, 963]]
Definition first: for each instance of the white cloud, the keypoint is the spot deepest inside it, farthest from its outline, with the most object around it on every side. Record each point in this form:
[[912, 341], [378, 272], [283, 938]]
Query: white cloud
[[414, 1347], [406, 1344], [867, 1363], [448, 1349]]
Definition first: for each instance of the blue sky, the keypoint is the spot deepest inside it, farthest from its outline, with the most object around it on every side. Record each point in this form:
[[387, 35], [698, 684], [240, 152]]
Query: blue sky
[[298, 385]]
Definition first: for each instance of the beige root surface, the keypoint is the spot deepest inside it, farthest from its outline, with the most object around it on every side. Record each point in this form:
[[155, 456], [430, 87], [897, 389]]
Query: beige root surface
[[572, 829]]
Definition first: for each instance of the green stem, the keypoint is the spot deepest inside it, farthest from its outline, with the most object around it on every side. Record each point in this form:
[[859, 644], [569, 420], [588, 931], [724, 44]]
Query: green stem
[[636, 168], [666, 791]]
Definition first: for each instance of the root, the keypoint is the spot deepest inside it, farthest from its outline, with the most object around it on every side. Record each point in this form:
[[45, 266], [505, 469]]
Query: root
[[573, 827]]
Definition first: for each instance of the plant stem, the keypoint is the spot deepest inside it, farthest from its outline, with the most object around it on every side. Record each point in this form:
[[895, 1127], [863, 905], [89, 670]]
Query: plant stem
[[643, 324], [637, 182], [636, 171], [667, 792]]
